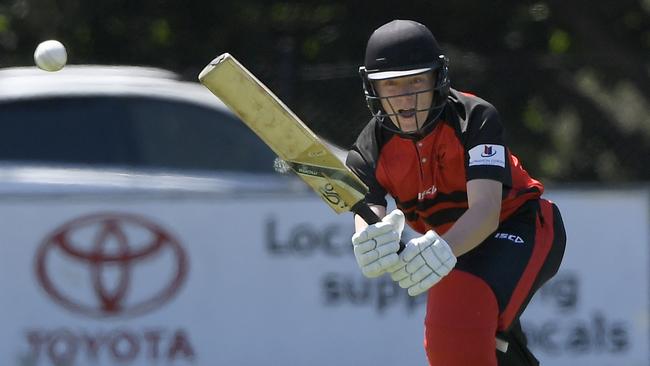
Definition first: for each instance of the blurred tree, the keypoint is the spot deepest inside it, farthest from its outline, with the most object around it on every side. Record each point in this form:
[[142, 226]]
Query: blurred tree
[[570, 79]]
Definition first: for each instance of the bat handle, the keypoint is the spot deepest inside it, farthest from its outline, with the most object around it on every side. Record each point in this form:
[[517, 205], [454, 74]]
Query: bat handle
[[370, 217]]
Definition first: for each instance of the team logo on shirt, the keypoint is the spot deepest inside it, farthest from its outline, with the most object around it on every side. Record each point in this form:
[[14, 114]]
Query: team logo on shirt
[[488, 151], [487, 154]]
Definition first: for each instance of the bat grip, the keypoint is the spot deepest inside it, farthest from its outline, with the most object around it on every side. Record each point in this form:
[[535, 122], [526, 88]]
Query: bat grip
[[370, 217]]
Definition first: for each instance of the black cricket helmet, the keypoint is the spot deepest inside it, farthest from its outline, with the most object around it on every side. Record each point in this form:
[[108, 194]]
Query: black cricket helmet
[[404, 48]]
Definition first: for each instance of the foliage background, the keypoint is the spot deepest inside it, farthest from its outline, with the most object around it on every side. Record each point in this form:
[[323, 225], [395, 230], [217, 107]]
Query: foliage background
[[571, 79]]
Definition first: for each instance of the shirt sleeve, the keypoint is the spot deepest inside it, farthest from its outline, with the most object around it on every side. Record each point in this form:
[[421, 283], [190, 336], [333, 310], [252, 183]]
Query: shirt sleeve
[[365, 170], [486, 155]]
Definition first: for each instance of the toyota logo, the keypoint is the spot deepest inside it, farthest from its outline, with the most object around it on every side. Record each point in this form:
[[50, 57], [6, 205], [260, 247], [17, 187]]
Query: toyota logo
[[110, 265]]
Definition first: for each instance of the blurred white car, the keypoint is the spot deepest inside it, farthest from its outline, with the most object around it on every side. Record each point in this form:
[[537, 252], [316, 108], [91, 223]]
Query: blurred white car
[[123, 127]]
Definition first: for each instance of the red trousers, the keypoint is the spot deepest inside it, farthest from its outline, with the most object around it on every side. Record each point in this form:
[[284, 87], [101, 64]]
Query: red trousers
[[490, 287]]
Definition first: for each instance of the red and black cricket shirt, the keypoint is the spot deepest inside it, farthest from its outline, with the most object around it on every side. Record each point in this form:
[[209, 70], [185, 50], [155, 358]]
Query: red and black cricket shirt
[[427, 177]]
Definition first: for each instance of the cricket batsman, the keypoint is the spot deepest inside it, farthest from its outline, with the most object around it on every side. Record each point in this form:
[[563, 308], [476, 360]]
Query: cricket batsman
[[481, 240]]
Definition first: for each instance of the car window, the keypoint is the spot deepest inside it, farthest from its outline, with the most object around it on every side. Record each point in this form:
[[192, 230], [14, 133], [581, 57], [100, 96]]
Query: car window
[[128, 131]]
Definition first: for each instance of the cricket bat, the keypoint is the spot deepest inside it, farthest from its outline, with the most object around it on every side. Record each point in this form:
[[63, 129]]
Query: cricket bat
[[287, 136]]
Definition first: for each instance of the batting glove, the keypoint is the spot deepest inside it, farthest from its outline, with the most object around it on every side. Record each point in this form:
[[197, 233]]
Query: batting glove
[[424, 261], [376, 246]]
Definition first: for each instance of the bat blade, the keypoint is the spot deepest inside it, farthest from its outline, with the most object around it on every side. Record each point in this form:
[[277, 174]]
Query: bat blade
[[285, 134]]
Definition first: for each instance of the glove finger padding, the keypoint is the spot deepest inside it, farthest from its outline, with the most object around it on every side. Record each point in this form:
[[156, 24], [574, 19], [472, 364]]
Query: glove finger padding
[[398, 272], [376, 242], [425, 261], [416, 276], [376, 246], [372, 231], [378, 267], [415, 264], [439, 256], [424, 285], [421, 274], [380, 252]]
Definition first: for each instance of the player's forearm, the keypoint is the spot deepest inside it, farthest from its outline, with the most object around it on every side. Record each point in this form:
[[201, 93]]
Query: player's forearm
[[479, 221]]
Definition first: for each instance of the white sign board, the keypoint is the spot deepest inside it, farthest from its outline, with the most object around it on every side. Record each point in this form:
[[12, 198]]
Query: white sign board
[[595, 311], [272, 280], [193, 282]]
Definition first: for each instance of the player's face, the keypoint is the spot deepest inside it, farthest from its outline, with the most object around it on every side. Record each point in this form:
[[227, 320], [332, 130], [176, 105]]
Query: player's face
[[407, 99]]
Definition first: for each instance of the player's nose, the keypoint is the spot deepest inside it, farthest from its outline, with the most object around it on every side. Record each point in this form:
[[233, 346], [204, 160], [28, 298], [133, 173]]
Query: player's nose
[[406, 100]]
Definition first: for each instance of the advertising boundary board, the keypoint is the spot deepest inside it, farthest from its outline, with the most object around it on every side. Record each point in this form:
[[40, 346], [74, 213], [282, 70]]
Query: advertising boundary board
[[595, 311], [309, 303]]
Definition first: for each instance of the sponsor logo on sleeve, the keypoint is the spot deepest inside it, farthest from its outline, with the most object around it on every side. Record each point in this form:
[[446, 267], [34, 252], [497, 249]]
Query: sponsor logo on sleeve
[[487, 155]]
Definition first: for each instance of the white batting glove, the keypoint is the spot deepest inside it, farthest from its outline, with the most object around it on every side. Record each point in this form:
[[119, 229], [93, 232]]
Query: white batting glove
[[376, 246], [424, 261]]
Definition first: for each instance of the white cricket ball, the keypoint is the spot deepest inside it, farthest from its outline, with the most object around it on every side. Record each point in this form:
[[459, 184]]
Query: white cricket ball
[[50, 55]]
